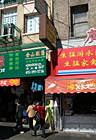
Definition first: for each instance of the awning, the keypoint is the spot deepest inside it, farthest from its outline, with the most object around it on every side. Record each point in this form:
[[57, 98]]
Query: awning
[[9, 82], [70, 84]]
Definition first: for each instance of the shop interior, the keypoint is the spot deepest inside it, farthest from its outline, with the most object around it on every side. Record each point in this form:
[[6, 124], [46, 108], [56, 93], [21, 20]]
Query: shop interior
[[75, 104], [79, 104], [25, 93], [7, 104]]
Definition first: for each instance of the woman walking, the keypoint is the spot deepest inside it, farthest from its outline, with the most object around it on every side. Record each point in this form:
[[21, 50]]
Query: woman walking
[[41, 109], [31, 114]]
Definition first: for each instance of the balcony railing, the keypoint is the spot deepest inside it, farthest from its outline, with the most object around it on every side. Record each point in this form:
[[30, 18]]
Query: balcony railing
[[10, 2], [10, 34]]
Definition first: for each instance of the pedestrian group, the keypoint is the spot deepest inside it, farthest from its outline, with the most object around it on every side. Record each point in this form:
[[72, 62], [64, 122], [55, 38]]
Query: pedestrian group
[[36, 112]]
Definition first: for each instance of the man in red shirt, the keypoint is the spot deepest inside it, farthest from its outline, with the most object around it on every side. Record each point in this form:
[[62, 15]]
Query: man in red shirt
[[38, 107]]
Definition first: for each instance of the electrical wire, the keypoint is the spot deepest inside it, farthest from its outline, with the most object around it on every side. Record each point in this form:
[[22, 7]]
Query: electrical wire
[[37, 22], [61, 22]]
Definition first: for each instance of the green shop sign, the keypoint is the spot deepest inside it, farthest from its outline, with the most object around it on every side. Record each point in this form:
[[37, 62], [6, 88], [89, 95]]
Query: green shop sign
[[23, 64]]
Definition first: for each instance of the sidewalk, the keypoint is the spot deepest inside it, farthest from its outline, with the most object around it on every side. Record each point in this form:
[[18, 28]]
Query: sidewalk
[[6, 133]]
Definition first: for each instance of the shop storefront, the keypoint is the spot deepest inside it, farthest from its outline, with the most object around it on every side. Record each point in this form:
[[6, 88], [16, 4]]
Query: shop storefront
[[7, 99], [22, 75], [72, 84]]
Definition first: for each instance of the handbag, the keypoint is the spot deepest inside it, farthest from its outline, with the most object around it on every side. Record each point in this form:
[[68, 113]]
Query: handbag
[[38, 116], [24, 113]]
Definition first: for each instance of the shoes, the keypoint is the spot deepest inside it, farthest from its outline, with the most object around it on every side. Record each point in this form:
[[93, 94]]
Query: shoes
[[34, 135], [21, 132], [30, 130], [14, 129], [43, 136]]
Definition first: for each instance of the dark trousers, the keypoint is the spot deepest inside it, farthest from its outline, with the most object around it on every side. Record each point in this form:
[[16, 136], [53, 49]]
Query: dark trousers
[[42, 123], [31, 123], [19, 123]]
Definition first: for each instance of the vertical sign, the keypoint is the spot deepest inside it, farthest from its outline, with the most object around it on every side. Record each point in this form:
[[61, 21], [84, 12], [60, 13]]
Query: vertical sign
[[41, 6], [47, 32]]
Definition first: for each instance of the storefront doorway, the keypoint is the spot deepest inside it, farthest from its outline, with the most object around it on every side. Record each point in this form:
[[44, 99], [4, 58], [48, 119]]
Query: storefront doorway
[[7, 104], [23, 92], [80, 104], [74, 112]]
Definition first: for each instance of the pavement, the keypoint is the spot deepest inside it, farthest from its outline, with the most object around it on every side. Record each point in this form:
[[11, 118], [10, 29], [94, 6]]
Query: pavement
[[7, 133]]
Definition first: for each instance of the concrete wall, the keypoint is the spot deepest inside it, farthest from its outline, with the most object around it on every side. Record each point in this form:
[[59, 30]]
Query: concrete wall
[[92, 14], [61, 14], [20, 17], [21, 12], [62, 18], [79, 123]]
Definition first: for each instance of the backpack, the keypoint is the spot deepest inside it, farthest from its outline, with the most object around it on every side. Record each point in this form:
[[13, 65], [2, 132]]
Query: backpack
[[38, 117]]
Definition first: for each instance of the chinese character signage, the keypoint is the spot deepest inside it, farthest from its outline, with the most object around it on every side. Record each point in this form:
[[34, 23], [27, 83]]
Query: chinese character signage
[[10, 82], [81, 60], [23, 63], [91, 35], [37, 85], [70, 86]]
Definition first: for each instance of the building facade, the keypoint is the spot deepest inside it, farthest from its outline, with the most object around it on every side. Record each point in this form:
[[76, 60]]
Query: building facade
[[23, 57], [72, 19], [71, 75], [24, 60]]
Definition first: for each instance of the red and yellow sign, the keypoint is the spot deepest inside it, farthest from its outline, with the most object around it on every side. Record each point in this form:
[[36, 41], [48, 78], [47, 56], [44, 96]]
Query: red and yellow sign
[[10, 82], [70, 86], [81, 60]]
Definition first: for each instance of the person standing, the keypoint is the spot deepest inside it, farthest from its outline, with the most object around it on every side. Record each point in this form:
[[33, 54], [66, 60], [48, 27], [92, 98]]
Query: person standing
[[41, 109], [19, 115], [31, 114]]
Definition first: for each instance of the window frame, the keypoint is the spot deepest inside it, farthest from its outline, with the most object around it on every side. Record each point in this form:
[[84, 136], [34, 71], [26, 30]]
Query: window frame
[[27, 24], [78, 10], [9, 14]]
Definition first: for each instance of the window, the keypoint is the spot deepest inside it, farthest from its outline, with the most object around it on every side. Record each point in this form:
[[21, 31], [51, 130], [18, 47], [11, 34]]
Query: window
[[1, 1], [10, 17], [33, 24], [79, 20]]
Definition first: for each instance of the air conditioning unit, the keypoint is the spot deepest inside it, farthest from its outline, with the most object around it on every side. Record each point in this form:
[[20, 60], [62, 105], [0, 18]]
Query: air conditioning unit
[[5, 31], [1, 1]]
